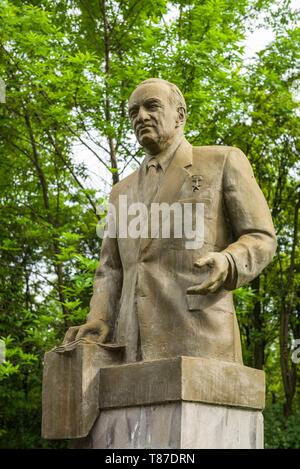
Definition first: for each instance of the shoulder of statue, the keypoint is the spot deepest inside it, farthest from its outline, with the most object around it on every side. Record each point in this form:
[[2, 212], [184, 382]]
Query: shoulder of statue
[[217, 154], [125, 183], [214, 150], [215, 159]]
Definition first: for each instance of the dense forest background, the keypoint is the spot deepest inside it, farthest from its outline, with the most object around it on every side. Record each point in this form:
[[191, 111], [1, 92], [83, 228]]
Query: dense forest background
[[69, 67]]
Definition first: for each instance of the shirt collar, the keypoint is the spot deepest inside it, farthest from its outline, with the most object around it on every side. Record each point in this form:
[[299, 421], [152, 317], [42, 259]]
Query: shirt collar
[[165, 157]]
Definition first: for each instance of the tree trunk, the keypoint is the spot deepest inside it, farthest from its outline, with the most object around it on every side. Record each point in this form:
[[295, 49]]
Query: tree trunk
[[288, 369], [58, 268], [111, 143], [258, 328]]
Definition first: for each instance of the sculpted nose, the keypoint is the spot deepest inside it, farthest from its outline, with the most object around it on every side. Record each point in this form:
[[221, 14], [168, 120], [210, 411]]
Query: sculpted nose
[[142, 115]]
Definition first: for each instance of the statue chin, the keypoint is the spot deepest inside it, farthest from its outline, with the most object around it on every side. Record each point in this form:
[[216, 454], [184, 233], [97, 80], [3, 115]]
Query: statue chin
[[149, 143]]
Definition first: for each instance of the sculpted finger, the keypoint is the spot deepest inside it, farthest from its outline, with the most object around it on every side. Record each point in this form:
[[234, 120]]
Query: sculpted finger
[[70, 334], [103, 334], [199, 289], [194, 290], [210, 281], [217, 283], [85, 330], [205, 286], [207, 260], [203, 289], [215, 286]]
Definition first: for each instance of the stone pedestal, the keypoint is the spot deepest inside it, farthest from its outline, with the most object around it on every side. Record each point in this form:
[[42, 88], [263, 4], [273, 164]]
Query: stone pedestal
[[179, 403], [186, 425], [71, 383]]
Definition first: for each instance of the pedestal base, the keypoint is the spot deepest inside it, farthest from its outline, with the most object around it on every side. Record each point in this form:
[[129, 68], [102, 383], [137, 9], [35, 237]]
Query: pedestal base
[[178, 425], [180, 402], [183, 402]]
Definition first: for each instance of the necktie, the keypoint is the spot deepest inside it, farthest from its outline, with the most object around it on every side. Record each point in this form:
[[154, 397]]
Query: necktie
[[151, 181]]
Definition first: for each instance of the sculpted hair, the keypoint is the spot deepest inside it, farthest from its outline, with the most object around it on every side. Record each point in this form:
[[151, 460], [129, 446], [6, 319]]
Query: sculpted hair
[[177, 97]]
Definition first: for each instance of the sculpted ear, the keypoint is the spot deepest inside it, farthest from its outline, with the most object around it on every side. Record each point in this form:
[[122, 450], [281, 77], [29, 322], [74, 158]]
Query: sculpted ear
[[181, 115]]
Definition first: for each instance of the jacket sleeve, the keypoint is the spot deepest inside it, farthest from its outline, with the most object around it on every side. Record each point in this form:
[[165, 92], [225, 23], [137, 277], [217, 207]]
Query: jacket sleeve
[[109, 274], [251, 224]]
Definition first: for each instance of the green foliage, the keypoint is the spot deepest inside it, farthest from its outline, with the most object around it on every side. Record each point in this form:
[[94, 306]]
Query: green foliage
[[69, 68], [281, 432]]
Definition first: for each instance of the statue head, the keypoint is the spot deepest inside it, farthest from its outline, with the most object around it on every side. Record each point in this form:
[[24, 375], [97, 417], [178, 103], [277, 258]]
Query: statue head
[[157, 111]]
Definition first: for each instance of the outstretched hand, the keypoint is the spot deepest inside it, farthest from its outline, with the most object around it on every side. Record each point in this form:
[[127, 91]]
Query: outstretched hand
[[218, 266], [96, 331]]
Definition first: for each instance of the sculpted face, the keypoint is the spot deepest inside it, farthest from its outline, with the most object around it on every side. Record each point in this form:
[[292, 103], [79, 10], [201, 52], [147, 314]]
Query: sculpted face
[[154, 117]]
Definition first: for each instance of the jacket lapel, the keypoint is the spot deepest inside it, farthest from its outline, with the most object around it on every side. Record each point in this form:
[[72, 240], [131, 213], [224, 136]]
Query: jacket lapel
[[176, 175]]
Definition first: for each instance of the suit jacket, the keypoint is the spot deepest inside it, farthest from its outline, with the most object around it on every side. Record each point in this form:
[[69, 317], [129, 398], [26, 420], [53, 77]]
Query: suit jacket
[[140, 284]]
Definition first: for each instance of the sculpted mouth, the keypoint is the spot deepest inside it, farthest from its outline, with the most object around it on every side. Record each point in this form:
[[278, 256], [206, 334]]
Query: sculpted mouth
[[146, 127]]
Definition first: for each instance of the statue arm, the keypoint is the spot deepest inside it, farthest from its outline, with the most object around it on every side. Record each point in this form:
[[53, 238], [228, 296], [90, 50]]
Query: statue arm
[[250, 219], [107, 282], [105, 300]]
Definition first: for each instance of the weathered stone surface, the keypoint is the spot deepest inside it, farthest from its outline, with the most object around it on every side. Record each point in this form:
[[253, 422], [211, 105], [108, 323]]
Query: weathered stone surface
[[176, 425], [182, 378], [220, 427], [71, 389], [77, 384], [167, 292]]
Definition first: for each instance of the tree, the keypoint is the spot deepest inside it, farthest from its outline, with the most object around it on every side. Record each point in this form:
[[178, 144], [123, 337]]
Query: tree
[[69, 68]]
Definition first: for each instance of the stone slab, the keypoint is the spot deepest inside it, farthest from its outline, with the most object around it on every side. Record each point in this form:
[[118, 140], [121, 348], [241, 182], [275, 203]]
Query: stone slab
[[182, 379], [71, 389]]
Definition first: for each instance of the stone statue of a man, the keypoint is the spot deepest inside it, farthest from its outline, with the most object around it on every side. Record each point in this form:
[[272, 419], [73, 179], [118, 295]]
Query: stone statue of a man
[[160, 293]]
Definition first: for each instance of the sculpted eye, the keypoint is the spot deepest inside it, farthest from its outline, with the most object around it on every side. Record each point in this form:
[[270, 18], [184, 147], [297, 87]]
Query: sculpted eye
[[152, 106], [133, 113]]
